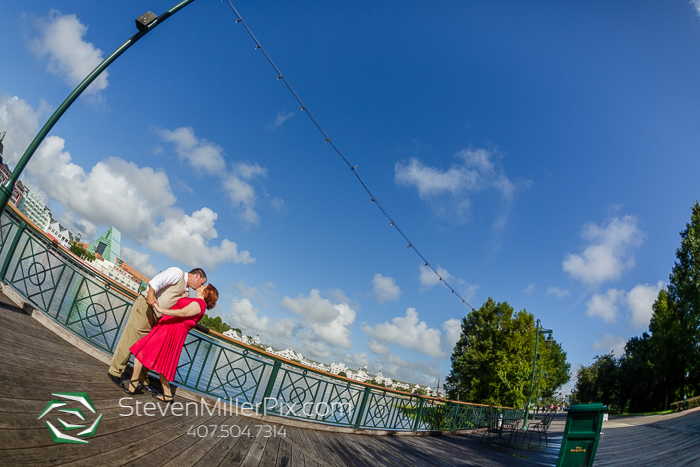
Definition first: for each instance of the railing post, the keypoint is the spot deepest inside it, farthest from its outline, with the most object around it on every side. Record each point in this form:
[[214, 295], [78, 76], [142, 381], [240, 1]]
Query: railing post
[[363, 405], [201, 370], [454, 408], [419, 415], [270, 385], [11, 251]]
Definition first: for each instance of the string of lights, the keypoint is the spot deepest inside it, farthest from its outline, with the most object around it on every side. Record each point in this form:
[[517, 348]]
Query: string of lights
[[353, 168]]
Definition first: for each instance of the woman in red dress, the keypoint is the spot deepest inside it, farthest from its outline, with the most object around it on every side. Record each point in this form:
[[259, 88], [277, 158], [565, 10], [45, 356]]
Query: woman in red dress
[[160, 349]]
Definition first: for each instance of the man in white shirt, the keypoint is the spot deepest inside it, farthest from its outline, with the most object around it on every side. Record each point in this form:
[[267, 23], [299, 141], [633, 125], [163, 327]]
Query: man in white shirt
[[165, 289]]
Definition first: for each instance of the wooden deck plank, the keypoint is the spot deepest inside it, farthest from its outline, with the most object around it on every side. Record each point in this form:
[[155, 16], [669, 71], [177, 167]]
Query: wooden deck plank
[[255, 453], [167, 451], [356, 444], [388, 450], [31, 357], [284, 452], [140, 448], [297, 458], [117, 433], [310, 446], [298, 439], [42, 338], [209, 447], [343, 451], [333, 457], [269, 456], [235, 456]]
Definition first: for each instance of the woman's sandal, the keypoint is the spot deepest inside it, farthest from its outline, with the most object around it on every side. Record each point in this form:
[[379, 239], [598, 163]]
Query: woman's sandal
[[164, 398], [132, 382]]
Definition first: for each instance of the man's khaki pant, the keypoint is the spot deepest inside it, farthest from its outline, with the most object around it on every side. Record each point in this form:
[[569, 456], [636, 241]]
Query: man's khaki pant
[[141, 320]]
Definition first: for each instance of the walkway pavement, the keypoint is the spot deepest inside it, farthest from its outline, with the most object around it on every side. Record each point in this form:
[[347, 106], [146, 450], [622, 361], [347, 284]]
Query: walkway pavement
[[660, 440]]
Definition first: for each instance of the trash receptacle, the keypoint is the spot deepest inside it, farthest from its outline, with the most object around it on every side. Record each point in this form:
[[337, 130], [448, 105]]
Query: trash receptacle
[[581, 435]]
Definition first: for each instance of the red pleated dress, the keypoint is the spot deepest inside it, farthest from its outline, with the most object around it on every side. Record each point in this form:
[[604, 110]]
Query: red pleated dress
[[160, 349]]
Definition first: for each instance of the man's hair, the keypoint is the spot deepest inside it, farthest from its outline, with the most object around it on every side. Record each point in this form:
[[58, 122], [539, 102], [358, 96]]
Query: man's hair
[[200, 272]]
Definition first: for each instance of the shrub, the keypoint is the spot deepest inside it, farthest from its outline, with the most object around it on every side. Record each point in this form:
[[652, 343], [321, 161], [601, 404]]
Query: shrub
[[690, 404]]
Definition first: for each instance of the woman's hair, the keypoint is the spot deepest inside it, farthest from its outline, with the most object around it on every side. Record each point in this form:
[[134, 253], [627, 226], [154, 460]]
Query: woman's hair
[[210, 296]]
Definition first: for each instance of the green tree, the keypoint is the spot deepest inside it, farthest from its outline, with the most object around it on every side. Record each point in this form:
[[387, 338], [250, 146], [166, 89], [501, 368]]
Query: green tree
[[661, 366], [640, 390], [78, 250], [600, 382], [684, 298], [216, 324], [666, 342], [492, 361]]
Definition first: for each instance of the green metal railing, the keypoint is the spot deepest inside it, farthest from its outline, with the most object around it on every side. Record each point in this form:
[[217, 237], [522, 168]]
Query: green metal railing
[[91, 306]]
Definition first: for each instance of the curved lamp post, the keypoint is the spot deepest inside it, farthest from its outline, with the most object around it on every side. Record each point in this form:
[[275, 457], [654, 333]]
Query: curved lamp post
[[549, 340], [145, 24]]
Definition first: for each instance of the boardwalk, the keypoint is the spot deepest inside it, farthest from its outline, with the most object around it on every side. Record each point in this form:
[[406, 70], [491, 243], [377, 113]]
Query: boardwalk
[[37, 363], [664, 440]]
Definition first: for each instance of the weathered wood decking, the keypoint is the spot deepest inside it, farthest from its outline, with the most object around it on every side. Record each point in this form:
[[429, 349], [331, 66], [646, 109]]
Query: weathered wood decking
[[37, 363]]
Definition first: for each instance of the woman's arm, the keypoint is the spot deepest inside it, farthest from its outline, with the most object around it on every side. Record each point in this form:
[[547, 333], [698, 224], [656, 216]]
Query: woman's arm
[[193, 309]]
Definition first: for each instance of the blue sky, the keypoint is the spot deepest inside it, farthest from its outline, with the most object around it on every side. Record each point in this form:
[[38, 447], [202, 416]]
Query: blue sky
[[545, 155]]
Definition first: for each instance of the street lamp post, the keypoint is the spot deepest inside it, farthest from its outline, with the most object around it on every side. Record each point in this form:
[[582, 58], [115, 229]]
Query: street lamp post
[[145, 24], [538, 330]]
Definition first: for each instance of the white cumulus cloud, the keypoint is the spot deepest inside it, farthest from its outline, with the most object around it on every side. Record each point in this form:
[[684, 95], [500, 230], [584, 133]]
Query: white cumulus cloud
[[609, 343], [136, 200], [329, 321], [428, 278], [60, 41], [189, 237], [609, 252], [605, 306], [21, 122], [245, 314], [208, 158], [640, 301], [475, 170], [198, 152], [241, 193], [408, 332], [452, 329], [138, 261], [424, 372], [385, 288]]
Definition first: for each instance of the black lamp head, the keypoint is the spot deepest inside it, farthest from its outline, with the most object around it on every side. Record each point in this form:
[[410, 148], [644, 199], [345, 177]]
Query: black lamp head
[[143, 21]]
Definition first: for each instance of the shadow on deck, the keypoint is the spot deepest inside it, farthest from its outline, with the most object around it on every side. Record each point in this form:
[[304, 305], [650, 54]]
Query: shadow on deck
[[37, 363]]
